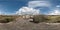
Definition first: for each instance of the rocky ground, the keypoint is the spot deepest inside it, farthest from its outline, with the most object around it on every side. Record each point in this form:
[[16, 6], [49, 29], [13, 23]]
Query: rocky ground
[[22, 24]]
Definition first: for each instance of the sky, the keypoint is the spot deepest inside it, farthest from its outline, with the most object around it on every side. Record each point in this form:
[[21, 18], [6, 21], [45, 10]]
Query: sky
[[35, 7]]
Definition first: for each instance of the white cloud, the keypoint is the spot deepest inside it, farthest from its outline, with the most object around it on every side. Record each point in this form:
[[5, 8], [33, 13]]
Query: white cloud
[[6, 13], [34, 4], [58, 6], [31, 5], [1, 12], [55, 12], [27, 10]]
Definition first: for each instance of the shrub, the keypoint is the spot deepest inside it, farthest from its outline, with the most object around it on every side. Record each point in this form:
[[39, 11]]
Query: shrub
[[39, 18], [6, 20]]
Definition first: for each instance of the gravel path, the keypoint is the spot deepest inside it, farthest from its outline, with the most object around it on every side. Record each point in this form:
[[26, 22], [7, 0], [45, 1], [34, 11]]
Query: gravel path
[[21, 24]]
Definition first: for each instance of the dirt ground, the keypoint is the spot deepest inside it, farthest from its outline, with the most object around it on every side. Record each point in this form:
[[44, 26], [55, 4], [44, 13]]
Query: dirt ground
[[22, 24]]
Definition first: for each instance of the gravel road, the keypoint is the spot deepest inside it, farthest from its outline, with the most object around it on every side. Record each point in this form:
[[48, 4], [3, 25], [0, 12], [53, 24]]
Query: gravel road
[[21, 24]]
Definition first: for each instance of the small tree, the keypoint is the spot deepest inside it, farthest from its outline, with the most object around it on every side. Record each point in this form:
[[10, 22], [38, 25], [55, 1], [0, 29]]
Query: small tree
[[39, 18], [6, 20]]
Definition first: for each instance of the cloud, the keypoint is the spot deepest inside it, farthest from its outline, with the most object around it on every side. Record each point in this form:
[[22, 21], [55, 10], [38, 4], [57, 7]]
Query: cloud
[[30, 9], [34, 4], [58, 6], [55, 12], [27, 11], [1, 12], [5, 13]]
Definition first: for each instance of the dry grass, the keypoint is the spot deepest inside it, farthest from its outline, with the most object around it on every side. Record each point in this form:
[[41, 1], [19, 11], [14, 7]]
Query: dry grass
[[37, 18], [22, 24], [5, 18], [47, 18]]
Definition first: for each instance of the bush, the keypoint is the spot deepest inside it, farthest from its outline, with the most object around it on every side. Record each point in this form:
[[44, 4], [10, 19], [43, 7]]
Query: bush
[[6, 20], [9, 19], [54, 19], [39, 18]]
